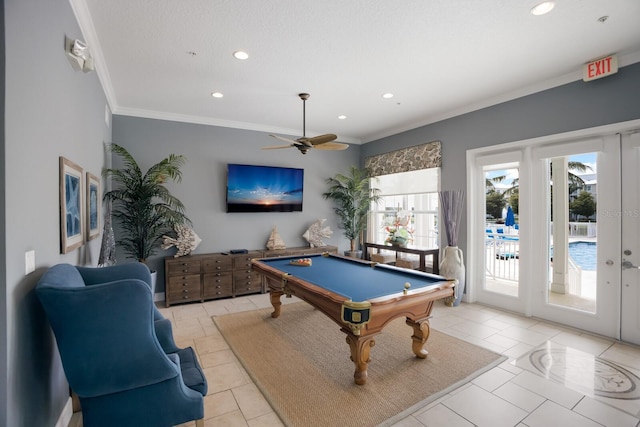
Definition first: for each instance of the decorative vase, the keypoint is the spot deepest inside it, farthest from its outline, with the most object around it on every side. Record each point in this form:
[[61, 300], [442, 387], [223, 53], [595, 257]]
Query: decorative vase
[[452, 267], [154, 280], [398, 241]]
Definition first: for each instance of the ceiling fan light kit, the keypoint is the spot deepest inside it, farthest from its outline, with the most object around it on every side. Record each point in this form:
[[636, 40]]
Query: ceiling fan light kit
[[304, 144]]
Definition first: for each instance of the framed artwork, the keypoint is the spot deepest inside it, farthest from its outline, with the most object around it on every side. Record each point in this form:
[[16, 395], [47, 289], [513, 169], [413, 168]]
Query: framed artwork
[[71, 206], [93, 206]]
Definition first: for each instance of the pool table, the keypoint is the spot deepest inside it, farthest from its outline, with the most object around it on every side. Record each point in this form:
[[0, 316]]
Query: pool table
[[360, 296]]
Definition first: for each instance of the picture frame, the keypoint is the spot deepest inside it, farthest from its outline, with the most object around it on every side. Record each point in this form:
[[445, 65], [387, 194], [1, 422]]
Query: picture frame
[[93, 206], [71, 206]]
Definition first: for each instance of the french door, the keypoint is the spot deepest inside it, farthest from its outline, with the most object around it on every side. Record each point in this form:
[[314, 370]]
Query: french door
[[577, 249], [495, 271], [630, 216], [577, 192]]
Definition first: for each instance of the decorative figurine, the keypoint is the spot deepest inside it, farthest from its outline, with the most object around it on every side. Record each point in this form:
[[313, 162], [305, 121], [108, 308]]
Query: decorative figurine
[[275, 241], [186, 241], [315, 233]]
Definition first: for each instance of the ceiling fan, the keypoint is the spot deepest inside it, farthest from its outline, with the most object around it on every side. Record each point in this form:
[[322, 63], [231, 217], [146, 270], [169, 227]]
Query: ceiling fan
[[304, 144]]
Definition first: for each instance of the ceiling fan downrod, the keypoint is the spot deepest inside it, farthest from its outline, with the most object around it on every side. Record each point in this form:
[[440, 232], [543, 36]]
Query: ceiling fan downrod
[[304, 97]]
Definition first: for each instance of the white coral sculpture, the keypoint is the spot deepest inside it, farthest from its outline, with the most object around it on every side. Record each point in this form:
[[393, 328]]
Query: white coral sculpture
[[186, 241], [316, 232]]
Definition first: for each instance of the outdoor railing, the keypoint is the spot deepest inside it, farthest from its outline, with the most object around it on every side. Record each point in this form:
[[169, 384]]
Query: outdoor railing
[[574, 278], [582, 229], [502, 254], [503, 257]]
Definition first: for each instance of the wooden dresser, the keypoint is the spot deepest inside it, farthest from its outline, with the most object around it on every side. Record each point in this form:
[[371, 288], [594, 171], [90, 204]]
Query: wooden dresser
[[204, 277]]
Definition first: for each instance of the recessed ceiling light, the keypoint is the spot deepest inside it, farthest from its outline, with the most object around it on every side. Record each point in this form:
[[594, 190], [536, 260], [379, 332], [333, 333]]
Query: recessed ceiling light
[[342, 117], [239, 54], [542, 8], [387, 95], [217, 94]]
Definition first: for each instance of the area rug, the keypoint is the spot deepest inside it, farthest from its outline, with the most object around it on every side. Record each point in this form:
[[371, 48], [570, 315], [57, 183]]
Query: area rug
[[301, 363]]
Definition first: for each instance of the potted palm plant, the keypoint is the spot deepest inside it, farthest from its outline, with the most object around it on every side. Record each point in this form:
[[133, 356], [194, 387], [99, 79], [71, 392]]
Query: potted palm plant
[[144, 208], [352, 195]]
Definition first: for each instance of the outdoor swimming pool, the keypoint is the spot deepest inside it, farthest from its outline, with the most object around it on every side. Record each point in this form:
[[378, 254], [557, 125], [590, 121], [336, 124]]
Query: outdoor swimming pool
[[583, 253]]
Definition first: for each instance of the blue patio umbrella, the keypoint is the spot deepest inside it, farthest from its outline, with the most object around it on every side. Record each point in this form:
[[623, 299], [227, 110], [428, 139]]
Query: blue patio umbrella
[[510, 220]]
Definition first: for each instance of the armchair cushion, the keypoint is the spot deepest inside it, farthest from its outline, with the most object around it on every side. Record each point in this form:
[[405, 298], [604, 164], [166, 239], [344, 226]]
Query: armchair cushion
[[191, 373]]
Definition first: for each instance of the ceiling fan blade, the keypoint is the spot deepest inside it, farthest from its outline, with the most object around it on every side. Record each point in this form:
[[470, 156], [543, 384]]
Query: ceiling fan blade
[[304, 144], [331, 146], [322, 139], [281, 138], [276, 147]]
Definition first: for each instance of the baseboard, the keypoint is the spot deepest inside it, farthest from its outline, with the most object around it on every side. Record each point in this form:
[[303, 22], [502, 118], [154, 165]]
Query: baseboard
[[65, 416], [158, 296]]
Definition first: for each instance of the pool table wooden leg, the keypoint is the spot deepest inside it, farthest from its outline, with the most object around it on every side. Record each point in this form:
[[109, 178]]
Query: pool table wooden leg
[[360, 350], [421, 330], [275, 302]]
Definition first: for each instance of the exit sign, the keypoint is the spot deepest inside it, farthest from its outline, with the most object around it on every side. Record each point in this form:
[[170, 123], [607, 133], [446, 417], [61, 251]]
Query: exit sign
[[600, 68]]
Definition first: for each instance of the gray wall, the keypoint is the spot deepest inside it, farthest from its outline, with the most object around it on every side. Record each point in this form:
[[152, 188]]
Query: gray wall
[[3, 264], [574, 106], [49, 111], [208, 150]]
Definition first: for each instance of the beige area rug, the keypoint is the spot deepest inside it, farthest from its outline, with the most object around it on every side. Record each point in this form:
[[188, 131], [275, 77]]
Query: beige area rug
[[301, 363]]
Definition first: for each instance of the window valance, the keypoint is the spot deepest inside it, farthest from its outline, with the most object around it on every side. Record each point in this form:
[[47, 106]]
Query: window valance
[[422, 156]]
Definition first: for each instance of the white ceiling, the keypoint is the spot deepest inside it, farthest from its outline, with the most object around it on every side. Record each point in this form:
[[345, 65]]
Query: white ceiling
[[440, 58]]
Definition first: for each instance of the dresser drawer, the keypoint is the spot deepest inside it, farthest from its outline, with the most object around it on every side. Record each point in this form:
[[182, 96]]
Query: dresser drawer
[[246, 282], [221, 278], [217, 263], [217, 285], [244, 260], [184, 289], [182, 267]]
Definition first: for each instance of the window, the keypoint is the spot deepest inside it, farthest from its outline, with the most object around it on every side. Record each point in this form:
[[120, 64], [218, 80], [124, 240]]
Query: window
[[415, 193]]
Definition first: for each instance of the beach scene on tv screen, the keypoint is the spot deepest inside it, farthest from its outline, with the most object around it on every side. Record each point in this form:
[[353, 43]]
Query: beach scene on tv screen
[[264, 189]]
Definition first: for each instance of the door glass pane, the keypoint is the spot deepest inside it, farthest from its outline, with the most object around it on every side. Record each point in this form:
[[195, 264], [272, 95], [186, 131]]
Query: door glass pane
[[502, 241], [572, 232]]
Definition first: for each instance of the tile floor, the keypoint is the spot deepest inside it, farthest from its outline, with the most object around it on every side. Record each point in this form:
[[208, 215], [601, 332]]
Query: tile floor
[[514, 393]]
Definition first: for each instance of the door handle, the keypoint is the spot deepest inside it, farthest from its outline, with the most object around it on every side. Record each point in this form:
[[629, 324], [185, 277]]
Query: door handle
[[628, 264]]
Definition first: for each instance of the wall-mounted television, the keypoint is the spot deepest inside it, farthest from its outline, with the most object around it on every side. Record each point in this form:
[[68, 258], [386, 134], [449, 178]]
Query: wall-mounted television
[[252, 188]]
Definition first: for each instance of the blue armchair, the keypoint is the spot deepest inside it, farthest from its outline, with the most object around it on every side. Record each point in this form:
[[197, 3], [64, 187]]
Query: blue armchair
[[117, 349]]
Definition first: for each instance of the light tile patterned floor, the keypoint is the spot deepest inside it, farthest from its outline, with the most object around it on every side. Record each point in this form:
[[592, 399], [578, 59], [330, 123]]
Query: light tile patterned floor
[[507, 395]]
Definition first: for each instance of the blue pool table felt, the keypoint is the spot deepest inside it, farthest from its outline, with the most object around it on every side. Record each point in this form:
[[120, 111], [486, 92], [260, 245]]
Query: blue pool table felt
[[354, 280]]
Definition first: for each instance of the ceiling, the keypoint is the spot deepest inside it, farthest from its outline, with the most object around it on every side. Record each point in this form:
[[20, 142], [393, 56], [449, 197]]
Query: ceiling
[[440, 58]]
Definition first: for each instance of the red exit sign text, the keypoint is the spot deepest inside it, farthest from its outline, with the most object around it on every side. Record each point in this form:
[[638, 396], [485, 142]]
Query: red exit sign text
[[600, 68]]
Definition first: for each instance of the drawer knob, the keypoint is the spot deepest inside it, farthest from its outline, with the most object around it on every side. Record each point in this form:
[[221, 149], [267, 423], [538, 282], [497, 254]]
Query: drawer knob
[[185, 297]]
